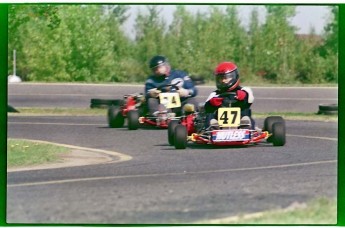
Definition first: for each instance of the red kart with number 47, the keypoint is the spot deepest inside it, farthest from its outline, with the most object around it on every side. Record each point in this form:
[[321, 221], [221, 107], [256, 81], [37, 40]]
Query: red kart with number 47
[[228, 130]]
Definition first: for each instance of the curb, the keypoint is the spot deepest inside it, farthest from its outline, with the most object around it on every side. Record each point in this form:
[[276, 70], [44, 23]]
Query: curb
[[79, 156]]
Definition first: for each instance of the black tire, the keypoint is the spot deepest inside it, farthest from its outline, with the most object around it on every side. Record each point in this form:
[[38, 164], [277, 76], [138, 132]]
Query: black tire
[[101, 101], [105, 103], [103, 106], [11, 109], [180, 140], [278, 134], [133, 119], [171, 131], [115, 117], [328, 107], [268, 124]]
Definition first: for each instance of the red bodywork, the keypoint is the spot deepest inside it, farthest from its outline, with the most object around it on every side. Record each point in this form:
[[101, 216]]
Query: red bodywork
[[257, 137], [130, 104], [154, 122], [188, 121]]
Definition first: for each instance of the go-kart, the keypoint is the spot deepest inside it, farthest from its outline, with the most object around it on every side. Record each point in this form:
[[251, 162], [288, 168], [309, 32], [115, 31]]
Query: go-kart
[[228, 130], [133, 107]]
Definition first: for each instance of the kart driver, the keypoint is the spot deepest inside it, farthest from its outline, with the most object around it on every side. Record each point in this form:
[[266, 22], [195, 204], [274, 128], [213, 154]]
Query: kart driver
[[227, 80], [163, 75]]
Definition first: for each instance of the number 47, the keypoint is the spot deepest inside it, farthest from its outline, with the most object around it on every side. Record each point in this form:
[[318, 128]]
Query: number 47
[[229, 117]]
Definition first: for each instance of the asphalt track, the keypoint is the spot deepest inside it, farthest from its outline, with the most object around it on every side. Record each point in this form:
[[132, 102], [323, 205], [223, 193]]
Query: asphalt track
[[161, 185]]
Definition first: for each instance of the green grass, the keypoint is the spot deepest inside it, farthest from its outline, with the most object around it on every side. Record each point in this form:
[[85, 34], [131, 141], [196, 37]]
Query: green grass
[[61, 111], [22, 153], [298, 116], [319, 211]]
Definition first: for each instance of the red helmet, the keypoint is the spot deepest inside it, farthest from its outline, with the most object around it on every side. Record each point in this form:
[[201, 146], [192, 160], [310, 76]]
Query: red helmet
[[227, 77]]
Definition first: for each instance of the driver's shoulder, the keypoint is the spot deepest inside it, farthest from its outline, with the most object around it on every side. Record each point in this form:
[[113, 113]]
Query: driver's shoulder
[[178, 73]]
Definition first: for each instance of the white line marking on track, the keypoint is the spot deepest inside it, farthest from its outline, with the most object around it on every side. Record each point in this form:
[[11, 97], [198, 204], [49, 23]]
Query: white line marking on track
[[313, 137], [141, 85], [65, 95], [69, 124], [200, 96], [121, 157], [170, 174]]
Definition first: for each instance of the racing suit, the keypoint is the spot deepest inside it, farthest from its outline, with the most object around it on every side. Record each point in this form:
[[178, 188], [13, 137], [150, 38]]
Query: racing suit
[[244, 97], [175, 77]]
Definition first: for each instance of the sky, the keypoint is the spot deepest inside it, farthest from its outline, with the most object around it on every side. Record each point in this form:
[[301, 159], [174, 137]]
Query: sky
[[307, 16]]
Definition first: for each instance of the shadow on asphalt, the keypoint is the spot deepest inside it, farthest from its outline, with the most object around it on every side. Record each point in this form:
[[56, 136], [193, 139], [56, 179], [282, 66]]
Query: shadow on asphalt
[[195, 146]]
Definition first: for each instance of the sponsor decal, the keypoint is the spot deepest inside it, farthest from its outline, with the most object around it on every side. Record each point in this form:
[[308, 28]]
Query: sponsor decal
[[230, 135], [178, 82], [186, 78]]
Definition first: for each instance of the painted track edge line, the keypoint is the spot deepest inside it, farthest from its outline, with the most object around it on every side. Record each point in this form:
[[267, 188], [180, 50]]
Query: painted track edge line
[[122, 157]]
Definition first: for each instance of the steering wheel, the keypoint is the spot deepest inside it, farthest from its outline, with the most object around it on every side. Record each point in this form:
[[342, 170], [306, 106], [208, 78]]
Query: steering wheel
[[229, 98], [170, 86]]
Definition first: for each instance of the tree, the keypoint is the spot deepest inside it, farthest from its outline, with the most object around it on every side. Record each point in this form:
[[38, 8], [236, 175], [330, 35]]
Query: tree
[[331, 32], [279, 37], [254, 41], [150, 31], [117, 12], [329, 51], [19, 15]]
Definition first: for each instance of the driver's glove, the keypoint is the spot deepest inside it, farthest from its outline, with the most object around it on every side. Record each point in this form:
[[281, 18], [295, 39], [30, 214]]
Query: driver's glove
[[183, 92], [241, 95], [216, 101], [154, 92]]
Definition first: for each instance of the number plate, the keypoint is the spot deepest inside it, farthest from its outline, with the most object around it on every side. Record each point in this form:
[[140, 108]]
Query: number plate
[[229, 117], [230, 135], [170, 100]]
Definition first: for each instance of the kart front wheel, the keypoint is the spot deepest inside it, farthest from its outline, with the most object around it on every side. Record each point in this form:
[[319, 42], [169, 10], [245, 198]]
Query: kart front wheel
[[115, 117], [278, 134], [180, 140], [171, 131], [133, 119], [268, 124]]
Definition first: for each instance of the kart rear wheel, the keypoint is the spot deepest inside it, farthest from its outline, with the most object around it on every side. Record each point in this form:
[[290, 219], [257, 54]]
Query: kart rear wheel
[[171, 130], [115, 117], [268, 124], [180, 140], [133, 119], [278, 134]]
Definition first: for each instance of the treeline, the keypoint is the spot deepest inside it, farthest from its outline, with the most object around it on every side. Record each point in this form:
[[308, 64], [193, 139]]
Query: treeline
[[87, 43]]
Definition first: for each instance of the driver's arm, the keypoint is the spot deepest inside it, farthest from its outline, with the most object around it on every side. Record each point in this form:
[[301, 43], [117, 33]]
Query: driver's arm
[[150, 88], [189, 85], [213, 102]]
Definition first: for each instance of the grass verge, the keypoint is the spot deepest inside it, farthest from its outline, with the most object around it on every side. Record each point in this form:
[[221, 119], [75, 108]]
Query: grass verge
[[103, 112], [21, 153], [298, 116], [60, 111], [318, 211]]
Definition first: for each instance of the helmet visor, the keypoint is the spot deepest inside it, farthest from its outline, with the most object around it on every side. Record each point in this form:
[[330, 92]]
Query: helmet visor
[[161, 69], [226, 79]]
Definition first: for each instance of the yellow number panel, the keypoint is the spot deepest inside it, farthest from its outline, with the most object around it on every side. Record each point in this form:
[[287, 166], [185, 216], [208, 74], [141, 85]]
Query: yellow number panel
[[229, 117], [170, 100]]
